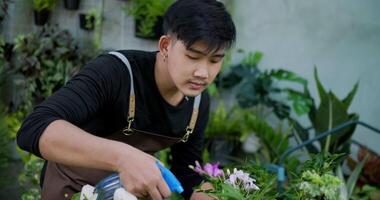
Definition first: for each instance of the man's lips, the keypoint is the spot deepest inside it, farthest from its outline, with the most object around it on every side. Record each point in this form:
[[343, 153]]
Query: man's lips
[[197, 85]]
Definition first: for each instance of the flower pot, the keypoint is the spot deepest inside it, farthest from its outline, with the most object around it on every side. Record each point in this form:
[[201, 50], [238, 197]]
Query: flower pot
[[223, 150], [8, 51], [157, 29], [72, 4], [2, 16], [86, 23], [41, 17]]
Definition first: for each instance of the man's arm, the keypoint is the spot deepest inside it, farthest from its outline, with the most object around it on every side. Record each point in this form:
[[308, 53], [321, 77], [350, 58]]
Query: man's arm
[[51, 131], [65, 143]]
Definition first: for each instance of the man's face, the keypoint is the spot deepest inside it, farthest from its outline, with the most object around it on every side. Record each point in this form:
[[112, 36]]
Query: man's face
[[193, 69]]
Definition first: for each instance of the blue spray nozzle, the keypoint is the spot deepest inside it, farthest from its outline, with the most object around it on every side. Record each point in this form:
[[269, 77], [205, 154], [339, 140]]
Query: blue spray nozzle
[[173, 183]]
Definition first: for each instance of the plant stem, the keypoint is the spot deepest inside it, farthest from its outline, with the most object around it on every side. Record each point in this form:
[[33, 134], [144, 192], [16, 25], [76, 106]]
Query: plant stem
[[328, 140]]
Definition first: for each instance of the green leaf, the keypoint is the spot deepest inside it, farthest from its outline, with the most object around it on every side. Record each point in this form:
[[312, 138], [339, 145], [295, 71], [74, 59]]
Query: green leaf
[[230, 193], [252, 59], [302, 134], [347, 101], [48, 63], [300, 102], [288, 76], [321, 91], [212, 89], [343, 186], [76, 196], [313, 109], [330, 114], [351, 182]]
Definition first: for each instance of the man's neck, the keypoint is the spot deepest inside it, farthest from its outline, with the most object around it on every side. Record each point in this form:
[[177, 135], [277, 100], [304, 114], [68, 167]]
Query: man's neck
[[164, 83]]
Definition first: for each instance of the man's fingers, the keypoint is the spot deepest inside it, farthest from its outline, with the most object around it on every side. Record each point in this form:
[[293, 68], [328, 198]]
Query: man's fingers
[[131, 188], [155, 194], [164, 188]]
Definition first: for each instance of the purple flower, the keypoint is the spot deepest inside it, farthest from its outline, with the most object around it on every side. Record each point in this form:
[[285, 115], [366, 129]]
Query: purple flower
[[209, 169]]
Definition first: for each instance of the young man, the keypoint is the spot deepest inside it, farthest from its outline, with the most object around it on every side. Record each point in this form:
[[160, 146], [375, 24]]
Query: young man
[[124, 106]]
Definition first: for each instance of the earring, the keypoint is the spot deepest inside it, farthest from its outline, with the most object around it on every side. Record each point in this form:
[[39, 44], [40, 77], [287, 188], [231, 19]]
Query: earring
[[165, 57]]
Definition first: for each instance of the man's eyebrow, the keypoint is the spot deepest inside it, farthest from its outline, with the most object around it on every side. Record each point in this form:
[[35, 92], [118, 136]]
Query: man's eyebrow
[[203, 53]]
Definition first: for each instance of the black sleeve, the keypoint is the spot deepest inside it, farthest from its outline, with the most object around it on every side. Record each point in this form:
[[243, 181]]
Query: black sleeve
[[96, 85], [185, 154]]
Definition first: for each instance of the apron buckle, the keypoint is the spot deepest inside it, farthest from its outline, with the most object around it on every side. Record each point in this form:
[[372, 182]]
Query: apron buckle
[[128, 130], [186, 136]]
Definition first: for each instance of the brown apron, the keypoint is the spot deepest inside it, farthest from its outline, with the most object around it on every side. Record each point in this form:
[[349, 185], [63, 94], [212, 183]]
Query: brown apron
[[62, 181]]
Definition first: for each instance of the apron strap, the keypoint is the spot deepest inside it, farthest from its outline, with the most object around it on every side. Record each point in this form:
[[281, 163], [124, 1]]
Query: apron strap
[[193, 120], [131, 113]]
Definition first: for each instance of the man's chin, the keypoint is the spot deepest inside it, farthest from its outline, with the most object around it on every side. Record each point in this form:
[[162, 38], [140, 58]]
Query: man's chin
[[192, 93]]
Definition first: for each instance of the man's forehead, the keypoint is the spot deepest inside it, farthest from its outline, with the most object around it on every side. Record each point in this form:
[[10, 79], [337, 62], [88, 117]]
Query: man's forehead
[[201, 47]]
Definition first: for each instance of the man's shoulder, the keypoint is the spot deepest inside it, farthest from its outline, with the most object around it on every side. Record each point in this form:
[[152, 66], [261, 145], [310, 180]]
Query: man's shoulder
[[136, 55]]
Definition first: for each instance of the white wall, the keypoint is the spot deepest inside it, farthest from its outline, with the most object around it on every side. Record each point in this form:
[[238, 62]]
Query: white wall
[[340, 37]]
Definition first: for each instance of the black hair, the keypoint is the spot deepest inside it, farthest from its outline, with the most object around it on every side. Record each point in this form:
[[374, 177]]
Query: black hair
[[200, 20]]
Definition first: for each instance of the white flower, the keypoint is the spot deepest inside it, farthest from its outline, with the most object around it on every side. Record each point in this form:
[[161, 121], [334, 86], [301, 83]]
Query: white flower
[[240, 179], [122, 194], [87, 192]]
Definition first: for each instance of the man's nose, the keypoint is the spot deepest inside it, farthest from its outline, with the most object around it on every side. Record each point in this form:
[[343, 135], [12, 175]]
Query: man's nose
[[201, 72]]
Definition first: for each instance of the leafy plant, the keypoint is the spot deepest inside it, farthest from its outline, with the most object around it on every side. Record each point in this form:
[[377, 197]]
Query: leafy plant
[[29, 179], [315, 179], [225, 122], [5, 141], [315, 186], [240, 184], [256, 87], [93, 21], [224, 133], [367, 192], [274, 141], [147, 13], [40, 5], [46, 60], [330, 113]]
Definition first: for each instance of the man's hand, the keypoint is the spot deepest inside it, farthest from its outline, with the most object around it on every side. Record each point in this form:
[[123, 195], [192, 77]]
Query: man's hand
[[65, 143], [202, 196], [141, 176]]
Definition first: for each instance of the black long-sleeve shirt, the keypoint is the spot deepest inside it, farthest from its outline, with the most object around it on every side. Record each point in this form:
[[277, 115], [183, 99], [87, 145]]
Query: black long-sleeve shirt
[[97, 100]]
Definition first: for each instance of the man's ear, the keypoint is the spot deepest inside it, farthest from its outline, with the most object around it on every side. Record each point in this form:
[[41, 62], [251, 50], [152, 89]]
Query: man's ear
[[163, 44]]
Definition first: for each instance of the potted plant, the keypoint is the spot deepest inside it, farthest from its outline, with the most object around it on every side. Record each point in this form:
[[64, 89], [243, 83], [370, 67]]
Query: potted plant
[[260, 88], [87, 21], [249, 181], [42, 10], [92, 21], [71, 4], [148, 16], [315, 179], [46, 59], [224, 132], [330, 113]]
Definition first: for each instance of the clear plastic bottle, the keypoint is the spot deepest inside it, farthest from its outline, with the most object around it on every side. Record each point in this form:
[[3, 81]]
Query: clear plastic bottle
[[106, 187]]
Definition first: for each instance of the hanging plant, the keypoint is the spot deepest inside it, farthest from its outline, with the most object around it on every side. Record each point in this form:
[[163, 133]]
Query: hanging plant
[[148, 16], [92, 21], [42, 10], [71, 4]]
